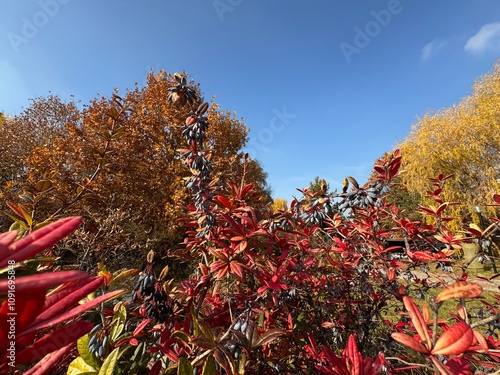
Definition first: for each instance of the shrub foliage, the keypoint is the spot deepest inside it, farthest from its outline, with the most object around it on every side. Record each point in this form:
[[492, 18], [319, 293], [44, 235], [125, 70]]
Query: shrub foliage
[[317, 287]]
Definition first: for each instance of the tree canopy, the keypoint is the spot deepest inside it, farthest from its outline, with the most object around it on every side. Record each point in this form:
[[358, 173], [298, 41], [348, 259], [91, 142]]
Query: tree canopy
[[120, 155], [462, 141]]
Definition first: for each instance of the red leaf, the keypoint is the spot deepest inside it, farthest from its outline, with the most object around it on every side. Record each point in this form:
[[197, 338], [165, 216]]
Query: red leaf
[[460, 289], [37, 325], [5, 240], [455, 340], [40, 240], [28, 306], [409, 341], [49, 361], [475, 230], [71, 299], [423, 256], [417, 320], [245, 190], [458, 366], [43, 281], [16, 208], [237, 269], [140, 327], [496, 198], [224, 201], [352, 353], [53, 341]]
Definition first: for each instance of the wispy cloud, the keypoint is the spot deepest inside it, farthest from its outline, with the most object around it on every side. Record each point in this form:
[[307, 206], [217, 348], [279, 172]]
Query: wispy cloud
[[431, 49], [486, 39]]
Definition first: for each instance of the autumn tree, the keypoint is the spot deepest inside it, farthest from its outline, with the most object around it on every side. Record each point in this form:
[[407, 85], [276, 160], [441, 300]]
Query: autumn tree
[[120, 156], [279, 204], [462, 141]]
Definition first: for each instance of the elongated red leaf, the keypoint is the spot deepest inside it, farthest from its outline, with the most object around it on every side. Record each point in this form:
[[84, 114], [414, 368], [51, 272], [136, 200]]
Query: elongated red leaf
[[333, 361], [460, 289], [417, 320], [71, 299], [5, 240], [43, 281], [140, 327], [481, 341], [37, 324], [455, 340], [28, 306], [223, 200], [45, 366], [62, 291], [40, 240], [353, 355], [443, 370], [53, 341], [475, 230], [409, 341], [245, 190]]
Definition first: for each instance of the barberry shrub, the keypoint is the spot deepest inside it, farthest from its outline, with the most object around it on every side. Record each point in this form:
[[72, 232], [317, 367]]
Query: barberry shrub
[[319, 287], [39, 313]]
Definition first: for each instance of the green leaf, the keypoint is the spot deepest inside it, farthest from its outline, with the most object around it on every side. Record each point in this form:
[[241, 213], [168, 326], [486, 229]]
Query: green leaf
[[209, 366], [118, 323], [184, 367], [80, 367], [82, 346], [108, 367]]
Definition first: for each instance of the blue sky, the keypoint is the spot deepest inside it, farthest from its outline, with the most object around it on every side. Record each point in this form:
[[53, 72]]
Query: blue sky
[[326, 87]]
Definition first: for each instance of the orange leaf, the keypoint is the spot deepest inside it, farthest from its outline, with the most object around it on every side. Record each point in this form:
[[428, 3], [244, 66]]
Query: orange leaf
[[461, 311], [417, 320], [409, 341], [481, 341], [426, 313], [460, 289], [455, 340]]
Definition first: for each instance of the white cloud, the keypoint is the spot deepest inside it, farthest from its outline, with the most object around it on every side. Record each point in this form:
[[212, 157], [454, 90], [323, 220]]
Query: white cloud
[[430, 49], [486, 39]]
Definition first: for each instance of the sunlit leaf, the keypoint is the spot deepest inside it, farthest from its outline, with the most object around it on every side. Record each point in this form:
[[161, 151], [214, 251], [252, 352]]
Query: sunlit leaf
[[460, 289], [409, 341], [109, 365], [455, 340]]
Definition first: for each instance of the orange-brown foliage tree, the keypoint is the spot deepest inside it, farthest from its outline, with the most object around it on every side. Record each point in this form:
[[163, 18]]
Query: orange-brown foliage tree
[[119, 157]]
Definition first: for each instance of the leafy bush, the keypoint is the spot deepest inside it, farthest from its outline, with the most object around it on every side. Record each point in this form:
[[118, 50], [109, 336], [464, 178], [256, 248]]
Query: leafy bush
[[313, 288], [38, 316]]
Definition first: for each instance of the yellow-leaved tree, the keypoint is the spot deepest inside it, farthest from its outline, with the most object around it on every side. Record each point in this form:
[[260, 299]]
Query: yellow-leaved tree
[[462, 141]]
